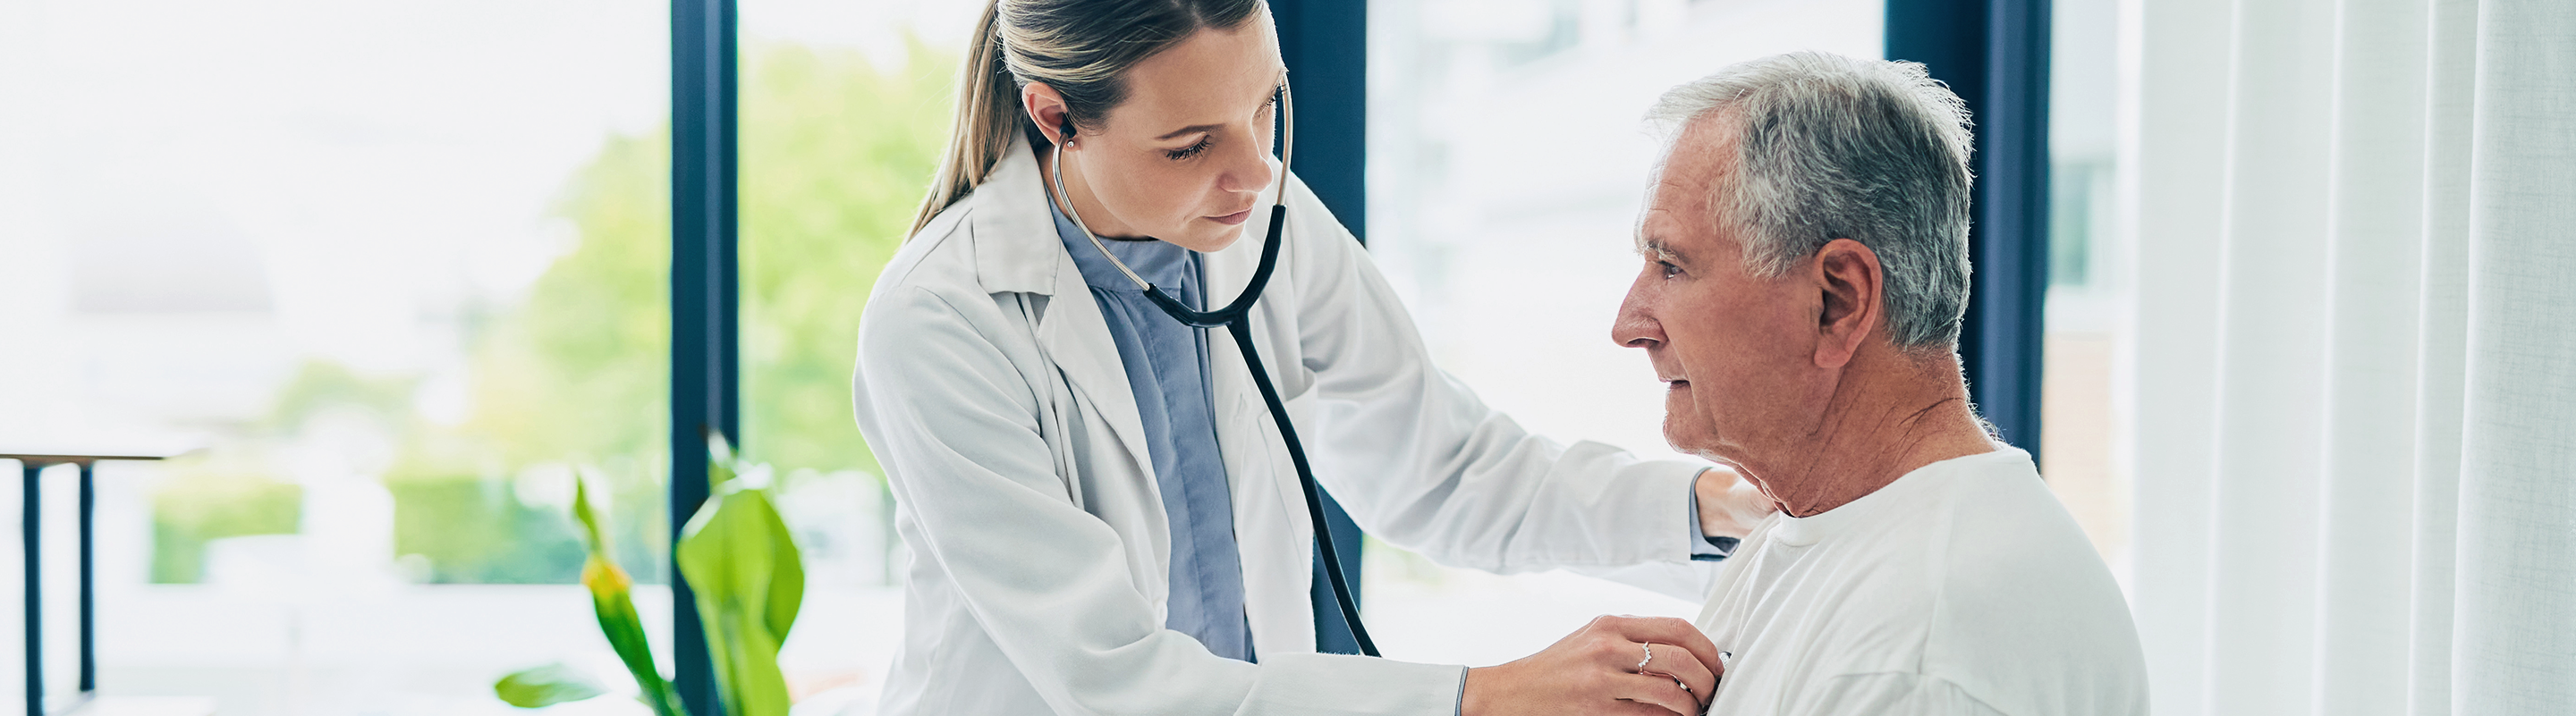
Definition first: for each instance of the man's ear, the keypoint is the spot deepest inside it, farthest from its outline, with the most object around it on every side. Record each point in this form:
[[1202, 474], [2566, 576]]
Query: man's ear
[[1849, 275], [1047, 110]]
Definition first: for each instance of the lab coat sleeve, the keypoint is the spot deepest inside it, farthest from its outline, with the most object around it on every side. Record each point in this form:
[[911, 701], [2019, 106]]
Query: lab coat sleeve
[[955, 425], [1420, 462]]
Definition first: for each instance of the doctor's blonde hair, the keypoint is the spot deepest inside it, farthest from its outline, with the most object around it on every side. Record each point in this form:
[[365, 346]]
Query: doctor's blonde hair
[[1081, 48]]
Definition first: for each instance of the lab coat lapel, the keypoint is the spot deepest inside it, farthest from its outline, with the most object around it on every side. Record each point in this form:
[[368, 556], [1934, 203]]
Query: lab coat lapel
[[1076, 337], [1016, 250]]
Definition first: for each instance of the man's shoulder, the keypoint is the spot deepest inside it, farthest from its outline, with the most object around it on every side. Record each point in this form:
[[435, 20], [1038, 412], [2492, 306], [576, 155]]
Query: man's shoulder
[[2027, 614]]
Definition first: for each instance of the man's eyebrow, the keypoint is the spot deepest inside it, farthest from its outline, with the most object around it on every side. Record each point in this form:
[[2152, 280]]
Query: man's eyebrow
[[1654, 248], [1197, 128]]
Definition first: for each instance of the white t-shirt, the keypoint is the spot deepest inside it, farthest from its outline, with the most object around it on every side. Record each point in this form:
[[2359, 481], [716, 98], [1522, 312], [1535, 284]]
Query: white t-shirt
[[1961, 588]]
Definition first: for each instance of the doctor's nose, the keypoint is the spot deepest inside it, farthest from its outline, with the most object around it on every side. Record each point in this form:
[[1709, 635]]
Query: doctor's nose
[[1247, 169]]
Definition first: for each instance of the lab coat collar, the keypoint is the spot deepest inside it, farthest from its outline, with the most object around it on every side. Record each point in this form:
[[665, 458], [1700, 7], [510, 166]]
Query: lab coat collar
[[1017, 250], [1015, 245]]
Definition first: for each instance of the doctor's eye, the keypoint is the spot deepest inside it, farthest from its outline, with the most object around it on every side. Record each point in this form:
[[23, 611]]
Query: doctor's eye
[[1189, 151]]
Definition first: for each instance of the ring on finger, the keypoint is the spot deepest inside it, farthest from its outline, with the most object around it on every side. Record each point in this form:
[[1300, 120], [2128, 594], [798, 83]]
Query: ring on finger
[[1650, 656]]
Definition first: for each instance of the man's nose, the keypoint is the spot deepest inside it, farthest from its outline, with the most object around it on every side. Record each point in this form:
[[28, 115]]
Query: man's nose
[[1636, 327]]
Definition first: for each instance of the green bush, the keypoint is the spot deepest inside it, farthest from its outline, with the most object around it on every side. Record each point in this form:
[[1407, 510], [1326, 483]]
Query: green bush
[[200, 508], [475, 531]]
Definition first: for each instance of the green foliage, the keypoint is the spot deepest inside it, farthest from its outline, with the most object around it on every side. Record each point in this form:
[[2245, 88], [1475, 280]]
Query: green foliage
[[236, 493], [475, 531], [580, 372], [836, 156], [202, 505], [612, 598], [321, 386], [749, 579], [546, 686]]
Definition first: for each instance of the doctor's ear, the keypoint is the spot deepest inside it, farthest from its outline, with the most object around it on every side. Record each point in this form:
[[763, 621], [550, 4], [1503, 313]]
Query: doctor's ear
[[1047, 110]]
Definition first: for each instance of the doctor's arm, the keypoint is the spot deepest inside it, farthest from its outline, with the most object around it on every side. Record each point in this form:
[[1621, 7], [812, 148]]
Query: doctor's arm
[[954, 424]]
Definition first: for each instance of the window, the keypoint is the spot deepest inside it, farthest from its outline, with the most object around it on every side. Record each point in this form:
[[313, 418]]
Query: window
[[1507, 162], [2087, 293], [845, 110], [398, 270]]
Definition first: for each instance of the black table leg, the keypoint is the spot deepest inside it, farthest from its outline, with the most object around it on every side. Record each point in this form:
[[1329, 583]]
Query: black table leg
[[88, 579], [29, 509]]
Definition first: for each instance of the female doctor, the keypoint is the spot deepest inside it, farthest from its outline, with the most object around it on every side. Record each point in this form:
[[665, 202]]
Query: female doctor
[[1103, 519]]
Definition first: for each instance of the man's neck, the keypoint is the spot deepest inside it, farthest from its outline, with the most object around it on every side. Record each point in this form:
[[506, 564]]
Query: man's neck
[[1877, 428]]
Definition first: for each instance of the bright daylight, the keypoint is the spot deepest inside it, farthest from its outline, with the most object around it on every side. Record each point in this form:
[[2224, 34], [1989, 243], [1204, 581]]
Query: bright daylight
[[859, 357]]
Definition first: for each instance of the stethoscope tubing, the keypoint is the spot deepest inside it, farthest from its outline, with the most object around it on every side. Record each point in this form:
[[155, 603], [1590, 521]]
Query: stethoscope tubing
[[1236, 317], [1241, 329]]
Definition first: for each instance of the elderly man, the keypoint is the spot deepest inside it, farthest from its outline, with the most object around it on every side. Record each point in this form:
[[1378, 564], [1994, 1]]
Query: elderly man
[[1806, 270]]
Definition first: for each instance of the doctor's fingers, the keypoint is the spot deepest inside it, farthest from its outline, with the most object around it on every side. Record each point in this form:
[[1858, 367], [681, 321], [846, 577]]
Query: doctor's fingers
[[1662, 630], [1676, 664], [1654, 694]]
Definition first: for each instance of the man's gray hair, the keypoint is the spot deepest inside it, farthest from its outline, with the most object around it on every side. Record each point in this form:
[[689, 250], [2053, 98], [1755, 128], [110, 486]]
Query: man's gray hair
[[1829, 147]]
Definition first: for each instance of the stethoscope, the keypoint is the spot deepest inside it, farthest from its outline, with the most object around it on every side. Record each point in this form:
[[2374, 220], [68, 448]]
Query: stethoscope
[[1236, 318]]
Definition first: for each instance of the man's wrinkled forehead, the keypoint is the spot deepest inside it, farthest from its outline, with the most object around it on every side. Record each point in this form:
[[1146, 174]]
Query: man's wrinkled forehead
[[1681, 198]]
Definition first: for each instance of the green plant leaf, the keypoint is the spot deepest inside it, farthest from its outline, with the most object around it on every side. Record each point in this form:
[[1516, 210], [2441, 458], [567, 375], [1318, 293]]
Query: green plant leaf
[[787, 583], [720, 461], [743, 564], [593, 535], [546, 686], [747, 663], [612, 598]]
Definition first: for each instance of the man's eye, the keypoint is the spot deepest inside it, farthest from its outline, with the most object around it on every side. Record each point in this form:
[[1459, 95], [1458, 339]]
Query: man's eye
[[1188, 151], [1668, 269]]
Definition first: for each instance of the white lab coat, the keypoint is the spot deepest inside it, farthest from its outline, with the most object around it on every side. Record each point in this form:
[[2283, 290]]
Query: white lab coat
[[991, 392]]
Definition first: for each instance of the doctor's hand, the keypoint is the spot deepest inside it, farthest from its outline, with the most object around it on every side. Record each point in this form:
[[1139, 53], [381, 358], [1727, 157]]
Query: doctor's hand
[[1595, 671], [1730, 505]]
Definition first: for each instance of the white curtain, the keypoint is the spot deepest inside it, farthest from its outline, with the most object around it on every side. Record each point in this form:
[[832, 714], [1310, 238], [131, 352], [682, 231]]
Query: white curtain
[[2350, 378]]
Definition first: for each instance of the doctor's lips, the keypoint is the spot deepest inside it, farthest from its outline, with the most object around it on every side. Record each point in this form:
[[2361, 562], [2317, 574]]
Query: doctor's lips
[[1232, 219]]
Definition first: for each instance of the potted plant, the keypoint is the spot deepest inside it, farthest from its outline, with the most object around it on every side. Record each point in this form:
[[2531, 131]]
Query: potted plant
[[743, 565]]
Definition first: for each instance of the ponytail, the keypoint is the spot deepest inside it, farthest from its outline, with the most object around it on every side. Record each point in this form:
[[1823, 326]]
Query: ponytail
[[1081, 48], [988, 111]]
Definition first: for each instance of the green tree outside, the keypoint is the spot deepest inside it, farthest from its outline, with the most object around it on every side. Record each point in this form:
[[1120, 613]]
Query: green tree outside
[[836, 153], [836, 156]]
